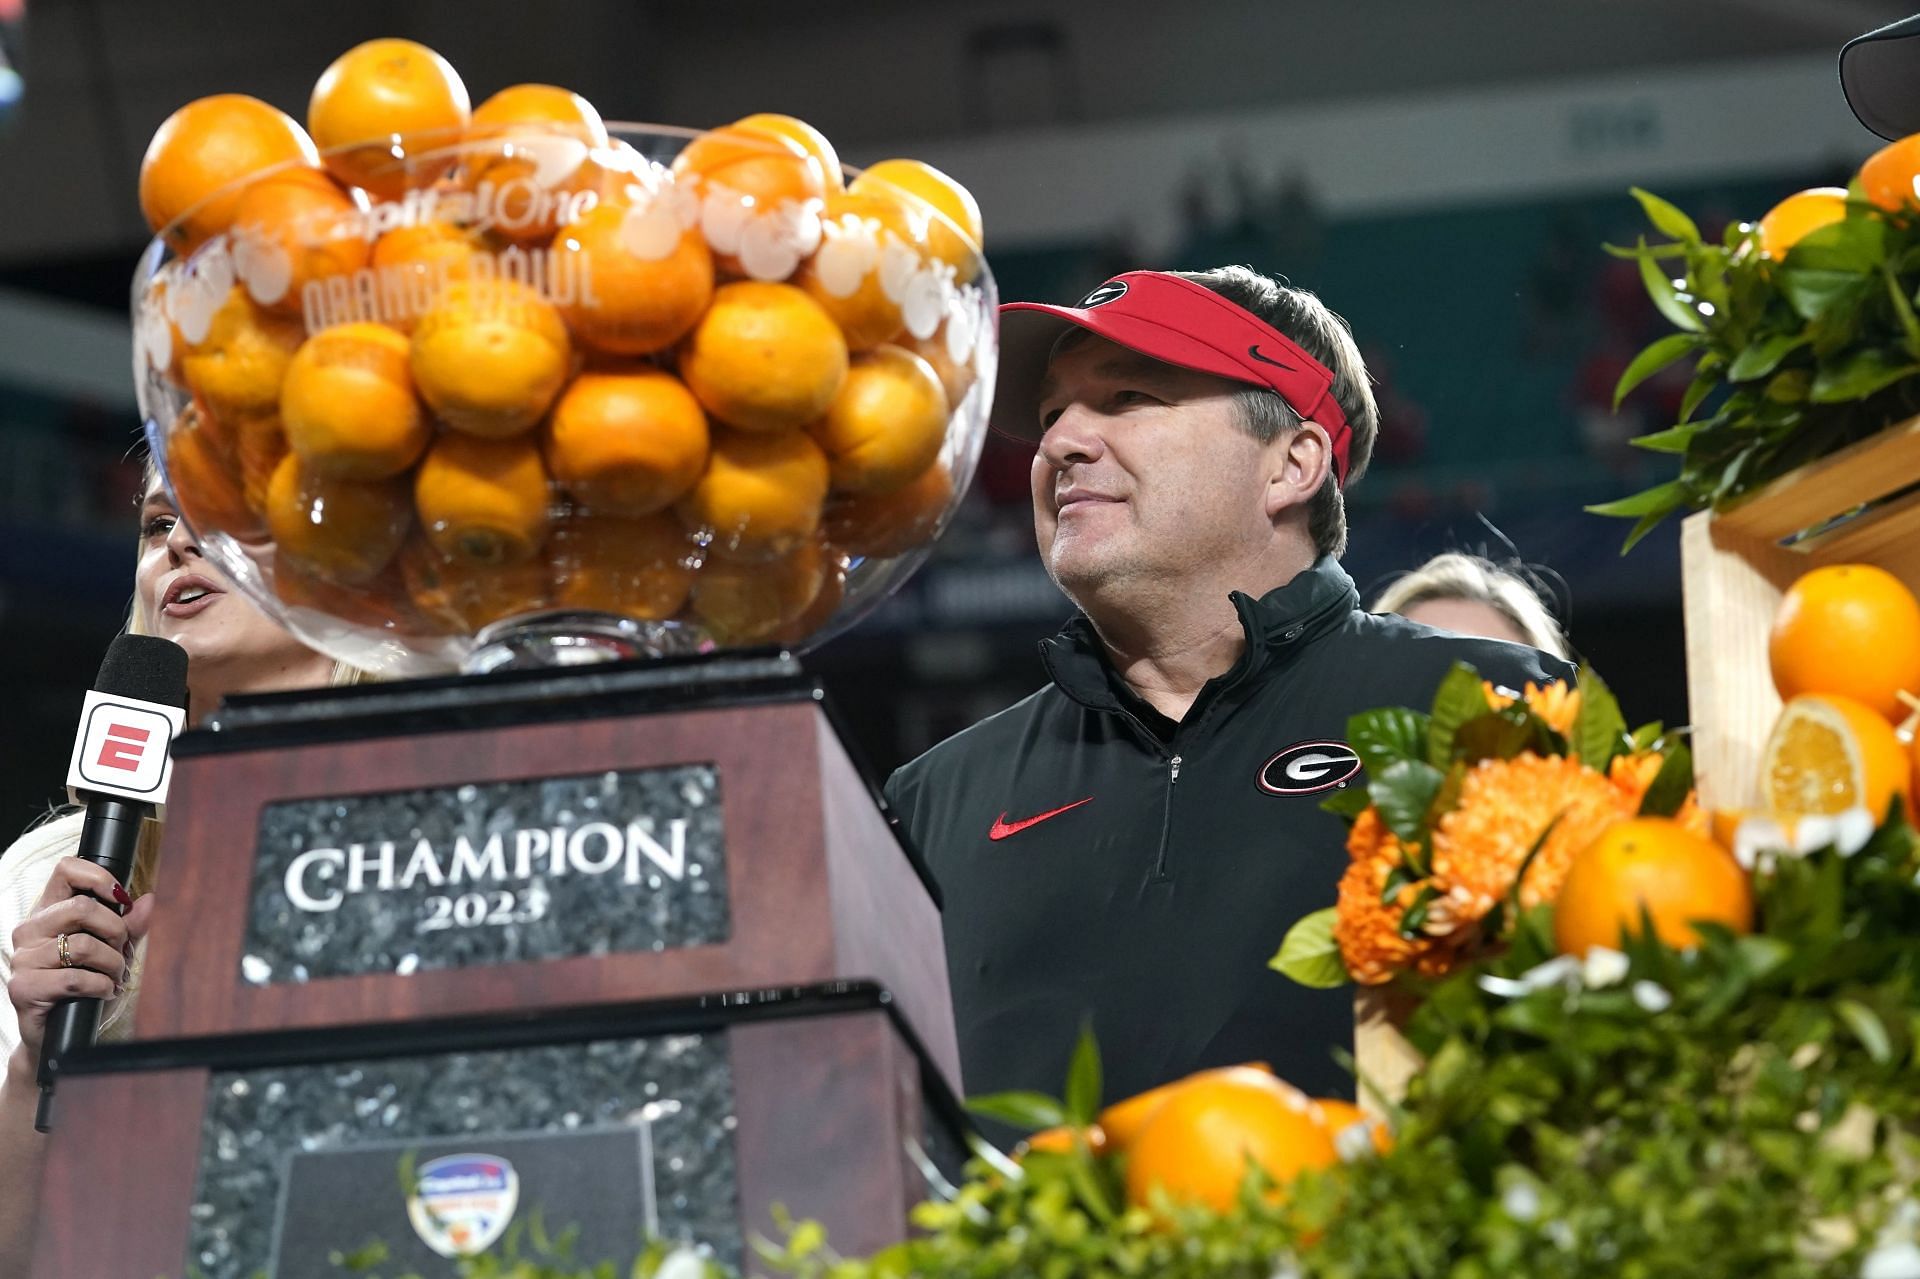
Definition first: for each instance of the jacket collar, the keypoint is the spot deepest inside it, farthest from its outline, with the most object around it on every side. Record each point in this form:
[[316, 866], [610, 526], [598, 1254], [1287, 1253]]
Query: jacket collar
[[1278, 624]]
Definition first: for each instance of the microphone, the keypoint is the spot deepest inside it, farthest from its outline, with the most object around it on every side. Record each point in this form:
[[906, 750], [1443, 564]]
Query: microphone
[[120, 769]]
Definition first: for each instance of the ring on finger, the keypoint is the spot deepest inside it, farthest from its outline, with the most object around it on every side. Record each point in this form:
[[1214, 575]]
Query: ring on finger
[[66, 955]]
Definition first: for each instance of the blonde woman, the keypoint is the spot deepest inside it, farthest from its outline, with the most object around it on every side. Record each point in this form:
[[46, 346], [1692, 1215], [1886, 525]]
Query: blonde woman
[[1469, 595], [51, 902]]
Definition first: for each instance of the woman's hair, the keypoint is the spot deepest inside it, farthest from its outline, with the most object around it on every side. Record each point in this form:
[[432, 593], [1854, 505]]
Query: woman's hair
[[1458, 576]]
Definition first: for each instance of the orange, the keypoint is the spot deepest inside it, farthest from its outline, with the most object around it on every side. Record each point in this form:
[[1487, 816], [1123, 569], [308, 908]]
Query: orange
[[1656, 865], [749, 603], [766, 167], [644, 282], [1851, 629], [956, 378], [382, 604], [765, 357], [1124, 1119], [483, 501], [956, 233], [348, 405], [1198, 1145], [880, 525], [826, 602], [345, 531], [760, 496], [1828, 754], [1889, 177], [206, 480], [489, 356], [887, 424], [865, 240], [535, 167], [626, 443], [377, 92], [1059, 1141], [465, 596], [201, 150], [259, 445], [309, 225], [811, 140], [1786, 222], [416, 263], [1341, 1116], [237, 368], [639, 567]]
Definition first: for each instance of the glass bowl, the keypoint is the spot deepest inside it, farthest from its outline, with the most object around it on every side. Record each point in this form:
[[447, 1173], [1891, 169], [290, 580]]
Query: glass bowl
[[547, 399]]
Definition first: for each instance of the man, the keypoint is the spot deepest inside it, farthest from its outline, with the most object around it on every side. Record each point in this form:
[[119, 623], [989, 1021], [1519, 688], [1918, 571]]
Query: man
[[1130, 843]]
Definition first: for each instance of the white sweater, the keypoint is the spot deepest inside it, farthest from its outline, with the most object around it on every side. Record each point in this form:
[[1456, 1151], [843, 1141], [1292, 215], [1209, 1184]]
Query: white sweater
[[25, 868]]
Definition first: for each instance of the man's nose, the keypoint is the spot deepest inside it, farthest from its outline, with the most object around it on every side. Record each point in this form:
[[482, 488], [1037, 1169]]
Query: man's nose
[[1074, 437]]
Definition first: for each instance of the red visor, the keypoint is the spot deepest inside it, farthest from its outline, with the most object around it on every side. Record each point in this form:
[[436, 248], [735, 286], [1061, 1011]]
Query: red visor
[[1173, 320]]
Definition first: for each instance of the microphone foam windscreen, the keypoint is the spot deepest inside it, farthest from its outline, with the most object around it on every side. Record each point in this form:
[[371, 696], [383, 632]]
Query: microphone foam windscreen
[[144, 667]]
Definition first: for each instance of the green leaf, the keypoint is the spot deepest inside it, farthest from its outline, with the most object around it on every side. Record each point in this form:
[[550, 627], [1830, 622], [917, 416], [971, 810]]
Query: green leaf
[[1384, 737], [1764, 356], [1403, 794], [1599, 730], [1812, 294], [1309, 954], [1348, 802], [1670, 220], [1083, 1079], [1665, 297], [1671, 784], [1705, 382], [1859, 376], [1674, 439], [1459, 698], [1667, 351], [1029, 1110], [1903, 311], [1415, 916], [1661, 498], [1645, 736], [1856, 245], [1867, 1028], [1397, 878]]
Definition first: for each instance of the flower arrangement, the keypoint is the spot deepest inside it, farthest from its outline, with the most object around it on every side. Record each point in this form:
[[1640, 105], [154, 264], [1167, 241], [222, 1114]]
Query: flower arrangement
[[1473, 812]]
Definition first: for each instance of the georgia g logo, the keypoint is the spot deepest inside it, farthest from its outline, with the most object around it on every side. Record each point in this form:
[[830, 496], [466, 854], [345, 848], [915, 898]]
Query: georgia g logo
[[1111, 291], [1307, 768]]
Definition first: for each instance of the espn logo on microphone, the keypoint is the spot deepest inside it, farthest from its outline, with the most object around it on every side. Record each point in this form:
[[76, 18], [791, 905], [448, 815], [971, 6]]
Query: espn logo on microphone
[[122, 748]]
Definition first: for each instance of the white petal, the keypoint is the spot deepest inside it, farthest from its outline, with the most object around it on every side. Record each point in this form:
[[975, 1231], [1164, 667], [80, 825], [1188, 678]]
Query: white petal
[[1562, 971], [1521, 1200], [1652, 996], [1812, 833], [1755, 839], [1851, 831], [1892, 1261], [1604, 967], [1354, 1142]]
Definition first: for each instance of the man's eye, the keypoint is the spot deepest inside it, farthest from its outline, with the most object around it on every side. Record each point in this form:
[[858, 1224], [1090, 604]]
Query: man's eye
[[158, 526]]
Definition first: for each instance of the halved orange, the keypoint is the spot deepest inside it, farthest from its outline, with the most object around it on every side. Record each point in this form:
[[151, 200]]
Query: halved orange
[[1828, 754]]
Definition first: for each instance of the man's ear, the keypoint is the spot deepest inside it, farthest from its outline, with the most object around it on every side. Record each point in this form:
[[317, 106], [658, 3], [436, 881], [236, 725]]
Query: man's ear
[[1301, 461]]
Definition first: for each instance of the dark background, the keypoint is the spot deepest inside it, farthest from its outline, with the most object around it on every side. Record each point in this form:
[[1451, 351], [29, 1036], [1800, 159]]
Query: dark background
[[1458, 230]]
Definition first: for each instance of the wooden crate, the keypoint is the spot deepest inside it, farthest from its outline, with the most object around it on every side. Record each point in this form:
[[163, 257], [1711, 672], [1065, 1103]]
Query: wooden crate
[[1736, 565]]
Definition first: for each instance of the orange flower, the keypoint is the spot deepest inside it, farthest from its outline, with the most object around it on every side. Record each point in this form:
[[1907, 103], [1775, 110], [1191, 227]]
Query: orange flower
[[1367, 928], [1634, 775], [1504, 806], [1557, 703]]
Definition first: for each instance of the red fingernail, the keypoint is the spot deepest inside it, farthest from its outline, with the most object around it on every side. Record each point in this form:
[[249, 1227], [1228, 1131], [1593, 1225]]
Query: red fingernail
[[120, 895]]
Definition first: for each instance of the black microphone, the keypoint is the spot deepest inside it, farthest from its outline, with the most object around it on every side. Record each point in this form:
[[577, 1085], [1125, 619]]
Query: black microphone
[[120, 770]]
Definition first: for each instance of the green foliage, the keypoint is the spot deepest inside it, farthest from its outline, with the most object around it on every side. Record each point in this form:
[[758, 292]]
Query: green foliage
[[1741, 1110], [1798, 357]]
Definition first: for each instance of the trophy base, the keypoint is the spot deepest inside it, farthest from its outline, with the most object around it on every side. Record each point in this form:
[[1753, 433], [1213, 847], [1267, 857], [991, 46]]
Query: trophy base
[[542, 641]]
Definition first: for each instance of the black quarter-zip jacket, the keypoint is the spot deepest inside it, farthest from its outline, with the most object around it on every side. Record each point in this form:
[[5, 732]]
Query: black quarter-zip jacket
[[1101, 861]]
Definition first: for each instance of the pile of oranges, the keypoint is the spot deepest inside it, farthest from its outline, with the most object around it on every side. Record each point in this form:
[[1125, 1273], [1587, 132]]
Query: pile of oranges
[[1889, 181], [459, 364]]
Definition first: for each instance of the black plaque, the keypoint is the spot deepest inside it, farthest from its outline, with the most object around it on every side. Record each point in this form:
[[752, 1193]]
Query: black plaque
[[488, 873], [657, 1114]]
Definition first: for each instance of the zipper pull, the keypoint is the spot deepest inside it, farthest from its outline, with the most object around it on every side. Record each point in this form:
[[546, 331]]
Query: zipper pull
[[1173, 770]]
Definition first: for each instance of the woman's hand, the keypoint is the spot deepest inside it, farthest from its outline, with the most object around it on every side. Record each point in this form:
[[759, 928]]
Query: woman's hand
[[98, 947]]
